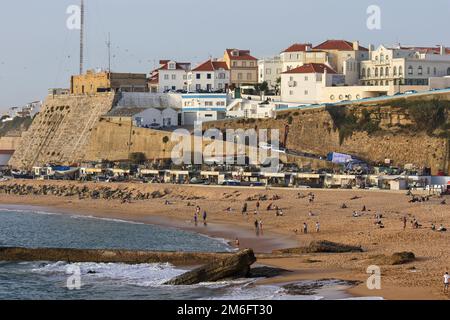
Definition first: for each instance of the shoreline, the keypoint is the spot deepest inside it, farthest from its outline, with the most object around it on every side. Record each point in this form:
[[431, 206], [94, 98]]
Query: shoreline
[[417, 280]]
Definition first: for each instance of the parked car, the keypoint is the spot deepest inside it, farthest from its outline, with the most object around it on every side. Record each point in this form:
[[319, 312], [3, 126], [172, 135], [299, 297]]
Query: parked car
[[155, 126], [410, 91]]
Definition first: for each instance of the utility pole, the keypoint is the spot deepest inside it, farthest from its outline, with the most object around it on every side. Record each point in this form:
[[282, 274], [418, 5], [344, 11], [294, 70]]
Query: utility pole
[[82, 38]]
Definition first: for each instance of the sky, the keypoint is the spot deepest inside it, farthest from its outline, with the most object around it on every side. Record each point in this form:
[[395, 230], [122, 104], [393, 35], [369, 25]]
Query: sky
[[38, 51]]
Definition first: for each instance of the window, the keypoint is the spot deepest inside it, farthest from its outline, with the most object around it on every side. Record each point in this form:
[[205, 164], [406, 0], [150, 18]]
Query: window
[[376, 72], [166, 77], [208, 76], [381, 72], [197, 75], [208, 103], [244, 63], [400, 71], [291, 92], [249, 76], [239, 76], [410, 70], [234, 64], [382, 57], [252, 64], [332, 97], [448, 71], [386, 72], [306, 78], [174, 77], [363, 72], [166, 88], [291, 78], [184, 77], [268, 71], [306, 92], [395, 71], [368, 72], [420, 70], [220, 86], [198, 87], [174, 88]]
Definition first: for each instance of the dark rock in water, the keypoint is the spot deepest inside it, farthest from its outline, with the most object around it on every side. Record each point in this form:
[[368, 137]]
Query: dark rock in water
[[237, 265], [266, 272], [308, 288], [91, 272]]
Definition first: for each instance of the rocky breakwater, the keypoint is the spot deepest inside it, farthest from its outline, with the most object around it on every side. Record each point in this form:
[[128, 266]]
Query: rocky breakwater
[[81, 191], [237, 265]]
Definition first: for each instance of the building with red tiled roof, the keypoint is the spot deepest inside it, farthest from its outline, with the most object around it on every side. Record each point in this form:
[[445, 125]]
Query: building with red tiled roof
[[169, 76], [300, 53], [345, 57], [243, 67], [311, 68], [209, 76], [305, 84]]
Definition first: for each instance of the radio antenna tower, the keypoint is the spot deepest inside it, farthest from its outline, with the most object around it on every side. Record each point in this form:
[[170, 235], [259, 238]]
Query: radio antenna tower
[[82, 38]]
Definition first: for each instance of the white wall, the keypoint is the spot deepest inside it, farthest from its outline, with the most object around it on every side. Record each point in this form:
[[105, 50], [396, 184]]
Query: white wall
[[172, 80], [165, 117], [219, 80]]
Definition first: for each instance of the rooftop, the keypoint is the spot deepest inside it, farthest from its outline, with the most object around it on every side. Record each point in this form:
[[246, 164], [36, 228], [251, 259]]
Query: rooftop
[[211, 65], [311, 68], [340, 45]]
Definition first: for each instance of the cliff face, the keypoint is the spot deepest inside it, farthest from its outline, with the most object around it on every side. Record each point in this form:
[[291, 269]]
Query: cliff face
[[60, 132], [392, 137]]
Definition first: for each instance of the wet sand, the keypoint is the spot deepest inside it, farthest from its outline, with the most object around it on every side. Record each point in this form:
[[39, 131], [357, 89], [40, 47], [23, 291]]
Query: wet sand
[[421, 279]]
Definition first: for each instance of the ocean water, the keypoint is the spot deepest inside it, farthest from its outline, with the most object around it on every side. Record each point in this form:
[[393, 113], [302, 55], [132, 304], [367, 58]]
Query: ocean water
[[48, 280]]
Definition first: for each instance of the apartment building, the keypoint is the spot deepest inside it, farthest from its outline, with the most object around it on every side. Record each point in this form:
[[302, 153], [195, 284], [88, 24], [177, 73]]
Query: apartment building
[[405, 66], [306, 83], [211, 75], [200, 107], [243, 67], [345, 57], [170, 76], [269, 70], [299, 54]]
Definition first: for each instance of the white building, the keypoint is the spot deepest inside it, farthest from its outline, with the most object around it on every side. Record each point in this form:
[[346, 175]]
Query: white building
[[209, 76], [306, 83], [269, 70], [243, 108], [170, 76], [299, 54], [203, 107], [412, 66]]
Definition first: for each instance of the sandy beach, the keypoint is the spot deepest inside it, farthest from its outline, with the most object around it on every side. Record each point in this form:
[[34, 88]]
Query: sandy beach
[[421, 279]]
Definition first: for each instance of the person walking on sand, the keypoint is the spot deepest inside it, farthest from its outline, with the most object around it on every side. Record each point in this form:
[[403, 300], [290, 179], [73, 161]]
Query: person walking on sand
[[305, 228], [317, 227], [196, 219], [205, 216], [244, 208], [260, 227], [404, 222], [446, 281], [257, 205], [257, 227]]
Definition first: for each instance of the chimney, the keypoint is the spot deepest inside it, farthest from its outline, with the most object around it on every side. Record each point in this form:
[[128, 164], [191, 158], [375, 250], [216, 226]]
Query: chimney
[[441, 50], [308, 47], [356, 45]]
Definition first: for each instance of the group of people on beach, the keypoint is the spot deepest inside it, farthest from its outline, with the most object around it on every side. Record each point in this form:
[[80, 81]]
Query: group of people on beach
[[197, 215]]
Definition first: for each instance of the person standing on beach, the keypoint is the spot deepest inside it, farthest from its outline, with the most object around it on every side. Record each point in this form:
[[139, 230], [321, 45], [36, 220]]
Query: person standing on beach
[[404, 222], [257, 205], [205, 216], [317, 226], [196, 219], [244, 208], [257, 227], [236, 243], [260, 226], [446, 281], [305, 228]]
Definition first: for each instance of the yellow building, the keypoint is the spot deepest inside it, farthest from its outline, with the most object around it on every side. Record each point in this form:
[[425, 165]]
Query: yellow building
[[243, 67], [93, 82]]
